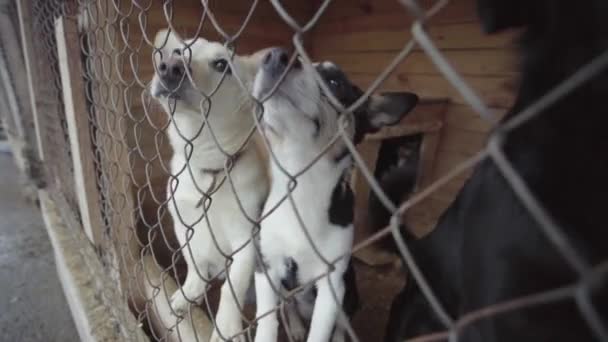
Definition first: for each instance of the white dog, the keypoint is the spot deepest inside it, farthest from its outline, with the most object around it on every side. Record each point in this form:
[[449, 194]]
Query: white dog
[[211, 223], [299, 123]]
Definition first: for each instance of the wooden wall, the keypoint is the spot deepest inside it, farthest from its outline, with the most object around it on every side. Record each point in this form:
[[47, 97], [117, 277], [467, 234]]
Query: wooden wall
[[363, 36]]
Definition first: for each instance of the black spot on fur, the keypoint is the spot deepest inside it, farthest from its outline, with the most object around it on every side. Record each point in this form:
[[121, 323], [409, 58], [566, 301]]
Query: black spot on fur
[[290, 281], [351, 296], [317, 124], [341, 207], [340, 156]]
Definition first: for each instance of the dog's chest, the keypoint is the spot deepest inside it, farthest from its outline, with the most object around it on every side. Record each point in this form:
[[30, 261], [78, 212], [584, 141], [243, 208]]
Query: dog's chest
[[320, 193]]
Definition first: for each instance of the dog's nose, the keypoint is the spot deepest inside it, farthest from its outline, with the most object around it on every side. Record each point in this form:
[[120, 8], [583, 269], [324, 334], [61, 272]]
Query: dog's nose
[[276, 60], [171, 71]]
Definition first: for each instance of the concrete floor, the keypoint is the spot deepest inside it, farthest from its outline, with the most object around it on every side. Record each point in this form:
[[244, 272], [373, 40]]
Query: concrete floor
[[32, 303]]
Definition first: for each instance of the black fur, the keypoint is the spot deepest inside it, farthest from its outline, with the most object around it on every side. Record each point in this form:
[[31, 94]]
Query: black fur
[[397, 183], [341, 206], [487, 248], [351, 295], [343, 154], [290, 280]]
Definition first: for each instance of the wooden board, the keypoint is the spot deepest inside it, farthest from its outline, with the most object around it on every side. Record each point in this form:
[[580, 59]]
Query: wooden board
[[449, 36], [494, 91], [380, 12], [479, 62], [77, 117], [427, 119]]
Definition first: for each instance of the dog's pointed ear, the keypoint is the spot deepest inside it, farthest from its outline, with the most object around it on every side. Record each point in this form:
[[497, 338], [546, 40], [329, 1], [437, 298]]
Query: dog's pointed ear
[[383, 109], [167, 38], [387, 109]]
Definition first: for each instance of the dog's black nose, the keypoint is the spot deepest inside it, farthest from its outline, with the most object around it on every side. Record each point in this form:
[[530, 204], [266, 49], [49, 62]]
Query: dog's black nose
[[171, 71], [276, 60]]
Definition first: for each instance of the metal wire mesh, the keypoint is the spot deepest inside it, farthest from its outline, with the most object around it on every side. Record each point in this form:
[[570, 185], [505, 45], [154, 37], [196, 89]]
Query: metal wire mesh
[[132, 154]]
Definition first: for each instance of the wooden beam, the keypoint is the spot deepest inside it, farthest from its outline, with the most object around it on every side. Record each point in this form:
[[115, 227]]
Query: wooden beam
[[24, 9], [76, 113], [426, 119]]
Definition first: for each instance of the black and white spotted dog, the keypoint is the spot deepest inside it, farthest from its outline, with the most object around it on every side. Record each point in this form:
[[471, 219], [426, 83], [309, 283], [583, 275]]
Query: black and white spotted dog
[[299, 122]]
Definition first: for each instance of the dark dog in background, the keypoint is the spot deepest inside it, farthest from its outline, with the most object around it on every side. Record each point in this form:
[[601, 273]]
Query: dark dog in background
[[487, 248], [396, 172]]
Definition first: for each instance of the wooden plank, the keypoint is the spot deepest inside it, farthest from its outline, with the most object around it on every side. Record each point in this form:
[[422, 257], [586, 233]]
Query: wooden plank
[[457, 140], [76, 112], [186, 26], [428, 149], [403, 130], [463, 117], [478, 62], [426, 118], [448, 160], [372, 255], [448, 192], [295, 8], [341, 10], [369, 153], [230, 16], [34, 79], [423, 217], [497, 92], [98, 310], [449, 36]]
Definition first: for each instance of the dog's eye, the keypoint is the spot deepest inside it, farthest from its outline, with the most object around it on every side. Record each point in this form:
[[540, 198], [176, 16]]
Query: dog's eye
[[177, 52], [221, 65], [333, 83]]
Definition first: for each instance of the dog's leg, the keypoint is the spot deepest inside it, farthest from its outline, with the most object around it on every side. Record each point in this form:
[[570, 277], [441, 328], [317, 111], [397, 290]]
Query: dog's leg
[[267, 298], [297, 328], [193, 289], [191, 239], [228, 318], [326, 307], [340, 331]]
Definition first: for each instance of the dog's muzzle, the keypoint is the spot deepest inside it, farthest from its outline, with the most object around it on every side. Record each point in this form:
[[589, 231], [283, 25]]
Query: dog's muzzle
[[274, 64], [171, 74]]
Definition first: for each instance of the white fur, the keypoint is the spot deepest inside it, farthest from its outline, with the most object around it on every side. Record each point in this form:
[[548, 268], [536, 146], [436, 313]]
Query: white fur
[[230, 119], [290, 130]]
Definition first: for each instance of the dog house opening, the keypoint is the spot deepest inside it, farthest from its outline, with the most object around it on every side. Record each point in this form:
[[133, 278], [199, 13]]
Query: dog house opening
[[397, 172]]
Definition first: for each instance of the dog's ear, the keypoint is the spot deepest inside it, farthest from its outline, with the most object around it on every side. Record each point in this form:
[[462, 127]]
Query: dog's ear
[[387, 109], [497, 15], [166, 38], [253, 61], [383, 109]]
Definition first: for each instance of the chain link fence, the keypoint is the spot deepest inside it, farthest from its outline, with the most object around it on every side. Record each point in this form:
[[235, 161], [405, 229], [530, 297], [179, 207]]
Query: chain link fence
[[132, 185]]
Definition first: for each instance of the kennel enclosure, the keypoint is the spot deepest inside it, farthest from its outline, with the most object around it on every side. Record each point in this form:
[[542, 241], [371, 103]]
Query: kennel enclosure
[[101, 138]]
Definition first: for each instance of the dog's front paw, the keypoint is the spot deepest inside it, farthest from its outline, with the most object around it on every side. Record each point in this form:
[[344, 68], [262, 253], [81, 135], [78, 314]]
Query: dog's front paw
[[179, 303], [228, 337], [297, 332], [338, 336], [229, 326]]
